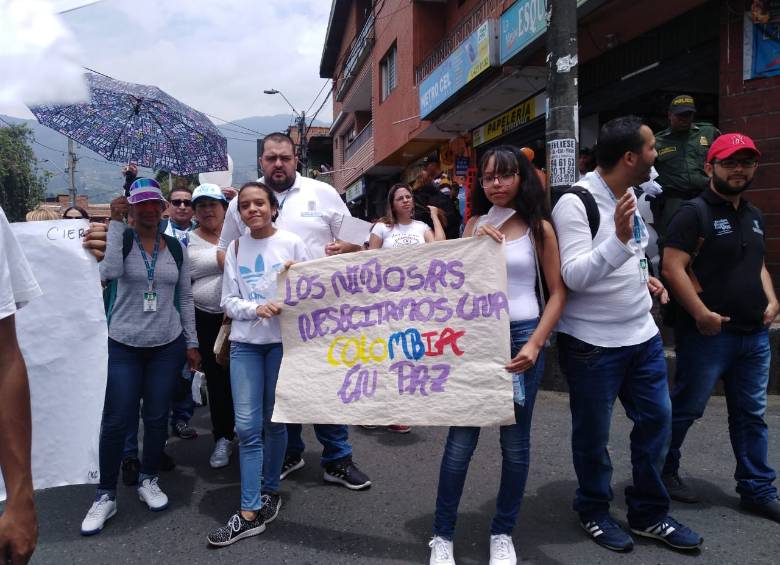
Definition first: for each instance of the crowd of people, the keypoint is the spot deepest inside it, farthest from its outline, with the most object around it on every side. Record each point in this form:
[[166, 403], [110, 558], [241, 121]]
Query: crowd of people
[[579, 270]]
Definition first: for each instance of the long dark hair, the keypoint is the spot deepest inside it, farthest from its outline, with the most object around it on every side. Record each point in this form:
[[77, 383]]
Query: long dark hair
[[531, 201], [79, 209], [390, 218]]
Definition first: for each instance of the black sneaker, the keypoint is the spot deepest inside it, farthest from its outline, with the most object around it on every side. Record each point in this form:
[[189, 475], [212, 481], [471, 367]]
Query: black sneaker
[[237, 528], [769, 509], [131, 467], [291, 463], [166, 462], [272, 502], [346, 473], [678, 490]]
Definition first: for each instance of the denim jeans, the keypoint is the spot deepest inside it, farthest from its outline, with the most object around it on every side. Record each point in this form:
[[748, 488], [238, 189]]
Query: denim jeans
[[254, 370], [743, 363], [515, 451], [135, 373], [333, 437], [597, 376]]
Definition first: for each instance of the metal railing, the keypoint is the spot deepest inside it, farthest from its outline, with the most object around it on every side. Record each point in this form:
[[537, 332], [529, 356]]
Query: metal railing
[[360, 140], [455, 37], [361, 48]]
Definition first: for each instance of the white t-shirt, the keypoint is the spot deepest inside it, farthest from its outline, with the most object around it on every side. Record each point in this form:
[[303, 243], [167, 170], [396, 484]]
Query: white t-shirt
[[17, 283], [309, 208], [401, 235], [252, 281], [608, 304]]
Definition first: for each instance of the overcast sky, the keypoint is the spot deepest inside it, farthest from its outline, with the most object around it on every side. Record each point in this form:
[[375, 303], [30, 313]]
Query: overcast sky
[[215, 55]]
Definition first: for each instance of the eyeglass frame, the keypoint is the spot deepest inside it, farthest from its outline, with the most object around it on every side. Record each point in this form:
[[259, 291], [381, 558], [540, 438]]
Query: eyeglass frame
[[746, 163], [507, 178], [178, 202]]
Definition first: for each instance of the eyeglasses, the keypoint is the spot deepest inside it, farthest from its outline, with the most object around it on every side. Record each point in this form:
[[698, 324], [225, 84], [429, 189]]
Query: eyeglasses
[[731, 164], [488, 180], [176, 203]]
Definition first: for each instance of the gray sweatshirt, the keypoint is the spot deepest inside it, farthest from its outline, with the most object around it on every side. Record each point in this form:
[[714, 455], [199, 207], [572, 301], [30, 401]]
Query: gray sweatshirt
[[130, 325]]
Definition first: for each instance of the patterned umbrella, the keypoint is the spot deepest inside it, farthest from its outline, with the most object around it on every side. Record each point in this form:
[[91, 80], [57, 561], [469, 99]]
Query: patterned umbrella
[[134, 122]]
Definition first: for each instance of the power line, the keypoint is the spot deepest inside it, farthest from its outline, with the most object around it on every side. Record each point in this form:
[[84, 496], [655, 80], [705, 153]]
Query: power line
[[318, 95]]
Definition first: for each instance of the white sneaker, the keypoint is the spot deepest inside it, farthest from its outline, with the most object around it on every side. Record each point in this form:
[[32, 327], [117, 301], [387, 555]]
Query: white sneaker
[[441, 551], [502, 550], [150, 493], [100, 511], [220, 457]]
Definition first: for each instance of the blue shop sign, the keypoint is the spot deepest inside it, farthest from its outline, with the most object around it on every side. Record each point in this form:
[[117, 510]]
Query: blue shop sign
[[470, 59]]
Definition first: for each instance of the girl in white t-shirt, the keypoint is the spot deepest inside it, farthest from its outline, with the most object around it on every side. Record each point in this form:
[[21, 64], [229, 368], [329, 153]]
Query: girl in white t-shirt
[[252, 263], [399, 228]]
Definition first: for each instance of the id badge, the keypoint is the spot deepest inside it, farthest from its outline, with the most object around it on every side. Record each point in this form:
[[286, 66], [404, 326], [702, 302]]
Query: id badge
[[150, 302], [644, 273]]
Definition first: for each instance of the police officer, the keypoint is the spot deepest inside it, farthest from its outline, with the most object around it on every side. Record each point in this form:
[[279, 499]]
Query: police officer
[[714, 265], [682, 149]]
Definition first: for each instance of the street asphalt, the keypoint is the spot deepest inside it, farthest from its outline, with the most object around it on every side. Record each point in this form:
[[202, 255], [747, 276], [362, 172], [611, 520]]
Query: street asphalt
[[391, 522]]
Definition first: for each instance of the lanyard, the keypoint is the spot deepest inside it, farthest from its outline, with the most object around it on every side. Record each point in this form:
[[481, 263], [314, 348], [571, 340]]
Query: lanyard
[[149, 266], [637, 234]]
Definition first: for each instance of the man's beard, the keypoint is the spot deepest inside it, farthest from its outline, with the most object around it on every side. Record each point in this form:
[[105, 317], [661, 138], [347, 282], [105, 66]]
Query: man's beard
[[723, 187], [278, 186]]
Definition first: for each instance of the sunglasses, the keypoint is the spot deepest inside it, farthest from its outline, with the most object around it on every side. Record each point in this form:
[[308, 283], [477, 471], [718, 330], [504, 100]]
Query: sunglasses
[[177, 203]]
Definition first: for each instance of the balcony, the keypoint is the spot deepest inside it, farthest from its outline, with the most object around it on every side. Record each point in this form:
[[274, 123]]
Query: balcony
[[361, 49], [455, 37], [359, 141]]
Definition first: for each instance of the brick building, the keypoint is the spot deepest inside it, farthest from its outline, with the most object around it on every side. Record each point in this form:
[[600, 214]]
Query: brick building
[[457, 76], [61, 202]]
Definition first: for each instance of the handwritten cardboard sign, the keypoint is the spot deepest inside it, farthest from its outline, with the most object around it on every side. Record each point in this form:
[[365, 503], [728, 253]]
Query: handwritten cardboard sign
[[416, 335], [63, 338]]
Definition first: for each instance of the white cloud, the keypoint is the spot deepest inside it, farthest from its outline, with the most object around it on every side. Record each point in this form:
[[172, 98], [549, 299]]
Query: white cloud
[[217, 56]]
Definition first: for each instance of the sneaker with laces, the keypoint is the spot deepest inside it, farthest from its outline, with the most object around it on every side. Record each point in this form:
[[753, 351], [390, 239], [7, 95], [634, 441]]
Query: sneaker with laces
[[678, 490], [441, 551], [346, 473], [131, 467], [150, 493], [220, 457], [237, 528], [272, 502], [399, 429], [672, 533], [184, 430], [291, 463], [502, 550], [607, 533], [99, 513]]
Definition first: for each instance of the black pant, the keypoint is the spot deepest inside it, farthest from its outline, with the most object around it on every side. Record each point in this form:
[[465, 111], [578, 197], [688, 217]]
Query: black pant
[[217, 376]]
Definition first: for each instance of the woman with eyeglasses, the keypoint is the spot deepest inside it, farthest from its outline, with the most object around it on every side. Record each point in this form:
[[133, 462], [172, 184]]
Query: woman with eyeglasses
[[510, 206]]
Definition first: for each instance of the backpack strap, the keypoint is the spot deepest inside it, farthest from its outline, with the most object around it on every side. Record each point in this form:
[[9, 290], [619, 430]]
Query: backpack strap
[[591, 208]]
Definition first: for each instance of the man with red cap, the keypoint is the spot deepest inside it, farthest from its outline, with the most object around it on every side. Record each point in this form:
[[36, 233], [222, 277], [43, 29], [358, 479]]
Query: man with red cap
[[713, 262]]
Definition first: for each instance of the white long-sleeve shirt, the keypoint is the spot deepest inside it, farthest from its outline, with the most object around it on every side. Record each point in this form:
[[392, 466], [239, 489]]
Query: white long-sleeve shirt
[[608, 302], [309, 208]]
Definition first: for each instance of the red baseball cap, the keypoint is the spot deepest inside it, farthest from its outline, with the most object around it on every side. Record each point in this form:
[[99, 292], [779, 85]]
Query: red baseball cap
[[728, 144]]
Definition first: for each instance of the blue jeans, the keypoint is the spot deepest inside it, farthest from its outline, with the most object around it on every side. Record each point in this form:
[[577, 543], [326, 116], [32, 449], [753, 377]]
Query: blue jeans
[[743, 363], [515, 451], [333, 437], [597, 376], [254, 370], [135, 373], [182, 410]]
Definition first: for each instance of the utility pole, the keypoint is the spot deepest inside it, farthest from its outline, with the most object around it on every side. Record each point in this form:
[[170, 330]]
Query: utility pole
[[71, 168], [562, 110], [303, 153]]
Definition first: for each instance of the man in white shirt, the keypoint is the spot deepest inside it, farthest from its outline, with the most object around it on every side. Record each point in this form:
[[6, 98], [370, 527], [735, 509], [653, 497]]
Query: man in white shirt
[[609, 345], [18, 523], [312, 210]]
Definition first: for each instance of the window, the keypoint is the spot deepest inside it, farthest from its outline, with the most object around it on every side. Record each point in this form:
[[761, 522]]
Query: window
[[388, 72]]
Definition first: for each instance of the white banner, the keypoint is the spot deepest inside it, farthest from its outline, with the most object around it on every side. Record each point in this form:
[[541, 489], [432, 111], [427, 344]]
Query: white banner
[[63, 337], [415, 335]]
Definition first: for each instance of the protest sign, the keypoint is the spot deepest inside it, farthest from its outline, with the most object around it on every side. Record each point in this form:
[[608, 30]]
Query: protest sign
[[63, 338], [415, 335]]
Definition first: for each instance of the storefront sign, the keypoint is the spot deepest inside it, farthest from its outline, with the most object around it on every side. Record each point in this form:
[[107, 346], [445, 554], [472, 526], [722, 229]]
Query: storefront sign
[[522, 23], [356, 190], [470, 59], [509, 121]]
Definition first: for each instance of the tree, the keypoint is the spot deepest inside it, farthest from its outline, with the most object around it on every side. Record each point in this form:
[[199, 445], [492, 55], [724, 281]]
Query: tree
[[21, 187]]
